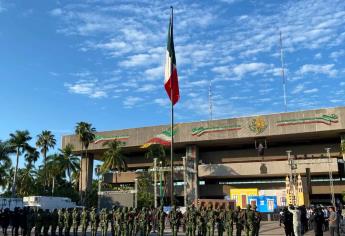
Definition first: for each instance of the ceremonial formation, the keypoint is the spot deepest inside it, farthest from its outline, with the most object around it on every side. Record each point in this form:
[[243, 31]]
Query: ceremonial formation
[[203, 220]]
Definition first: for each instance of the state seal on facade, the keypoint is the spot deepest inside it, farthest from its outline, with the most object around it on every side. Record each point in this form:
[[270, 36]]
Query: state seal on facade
[[258, 125]]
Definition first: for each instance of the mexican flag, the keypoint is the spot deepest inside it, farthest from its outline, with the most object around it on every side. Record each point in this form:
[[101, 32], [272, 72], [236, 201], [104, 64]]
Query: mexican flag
[[171, 79]]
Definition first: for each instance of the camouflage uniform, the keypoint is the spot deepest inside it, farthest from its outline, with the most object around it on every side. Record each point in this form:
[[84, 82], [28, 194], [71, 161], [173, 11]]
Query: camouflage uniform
[[84, 221], [229, 221], [220, 221], [54, 221], [75, 221], [61, 220], [249, 217], [173, 217], [238, 220], [68, 221], [94, 221], [39, 222], [211, 216], [257, 220], [104, 221]]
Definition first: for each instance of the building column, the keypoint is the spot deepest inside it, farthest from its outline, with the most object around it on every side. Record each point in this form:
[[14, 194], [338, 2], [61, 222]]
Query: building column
[[86, 172], [192, 161]]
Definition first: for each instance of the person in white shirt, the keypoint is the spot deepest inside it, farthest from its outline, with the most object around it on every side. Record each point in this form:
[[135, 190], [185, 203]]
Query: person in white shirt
[[296, 220]]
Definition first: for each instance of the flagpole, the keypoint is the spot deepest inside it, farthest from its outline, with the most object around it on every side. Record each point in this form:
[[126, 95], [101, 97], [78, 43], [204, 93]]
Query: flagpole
[[172, 124]]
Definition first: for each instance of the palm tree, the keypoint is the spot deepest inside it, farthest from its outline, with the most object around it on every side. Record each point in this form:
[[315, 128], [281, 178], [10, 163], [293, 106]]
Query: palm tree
[[19, 141], [31, 156], [53, 169], [45, 140], [157, 151], [68, 162], [26, 177], [86, 134], [113, 157], [5, 162]]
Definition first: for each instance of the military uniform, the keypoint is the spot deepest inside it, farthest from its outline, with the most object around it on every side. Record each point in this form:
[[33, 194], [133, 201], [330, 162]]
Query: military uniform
[[30, 221], [220, 221], [61, 221], [5, 221], [103, 220], [238, 220], [46, 222], [257, 220], [229, 221], [39, 222], [93, 221], [144, 218], [67, 221], [173, 217], [84, 221], [54, 222], [161, 221], [211, 217], [75, 221], [249, 217]]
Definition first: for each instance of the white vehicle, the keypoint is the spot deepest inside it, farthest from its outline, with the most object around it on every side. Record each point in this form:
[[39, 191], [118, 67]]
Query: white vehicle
[[49, 203], [11, 203]]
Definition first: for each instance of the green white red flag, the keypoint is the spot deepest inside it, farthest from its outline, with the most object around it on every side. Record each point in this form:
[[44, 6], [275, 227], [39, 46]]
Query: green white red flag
[[171, 78]]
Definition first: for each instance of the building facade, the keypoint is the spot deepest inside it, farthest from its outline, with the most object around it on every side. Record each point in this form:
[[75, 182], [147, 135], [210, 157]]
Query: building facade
[[238, 153]]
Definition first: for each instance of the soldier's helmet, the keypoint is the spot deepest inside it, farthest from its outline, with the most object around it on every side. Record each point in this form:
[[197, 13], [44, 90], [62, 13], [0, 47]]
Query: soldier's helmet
[[249, 206], [238, 208], [254, 207]]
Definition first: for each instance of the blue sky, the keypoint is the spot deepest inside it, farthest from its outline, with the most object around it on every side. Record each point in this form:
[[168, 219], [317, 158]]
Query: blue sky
[[101, 61]]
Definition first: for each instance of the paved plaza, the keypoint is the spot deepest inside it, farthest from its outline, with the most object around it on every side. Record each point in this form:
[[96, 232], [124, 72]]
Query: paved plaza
[[267, 228]]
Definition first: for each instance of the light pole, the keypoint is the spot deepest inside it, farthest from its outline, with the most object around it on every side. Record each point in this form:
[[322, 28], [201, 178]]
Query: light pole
[[185, 181], [155, 180], [98, 173], [160, 184], [328, 150], [135, 192]]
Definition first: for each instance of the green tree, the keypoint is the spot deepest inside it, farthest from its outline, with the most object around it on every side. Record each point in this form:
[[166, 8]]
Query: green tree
[[45, 140], [145, 190], [68, 162], [19, 141], [53, 170], [86, 134], [157, 151], [26, 180], [5, 163], [31, 156], [113, 157]]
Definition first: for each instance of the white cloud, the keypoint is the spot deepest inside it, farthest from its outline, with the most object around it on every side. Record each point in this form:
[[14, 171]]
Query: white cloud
[[163, 102], [327, 69], [154, 73], [90, 88], [335, 55], [318, 56], [255, 68], [299, 88], [56, 12], [130, 101], [147, 88], [314, 90]]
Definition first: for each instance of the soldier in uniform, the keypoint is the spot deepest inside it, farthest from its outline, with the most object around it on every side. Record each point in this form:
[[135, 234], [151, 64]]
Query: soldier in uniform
[[257, 220], [238, 220], [46, 222], [75, 221], [67, 221], [211, 217], [61, 221], [116, 221], [111, 216], [130, 221], [30, 221], [54, 221], [15, 221], [124, 222], [161, 220], [39, 222], [84, 220], [144, 217], [220, 219], [191, 221], [103, 217], [173, 218], [5, 220], [93, 221], [249, 221], [229, 221], [135, 222]]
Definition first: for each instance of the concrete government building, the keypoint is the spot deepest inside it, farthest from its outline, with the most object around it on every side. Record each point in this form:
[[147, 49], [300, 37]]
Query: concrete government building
[[233, 158]]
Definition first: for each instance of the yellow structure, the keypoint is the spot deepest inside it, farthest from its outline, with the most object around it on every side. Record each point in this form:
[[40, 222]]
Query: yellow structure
[[240, 195], [298, 197]]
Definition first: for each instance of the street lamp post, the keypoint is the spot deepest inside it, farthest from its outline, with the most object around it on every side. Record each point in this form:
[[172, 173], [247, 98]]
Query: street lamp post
[[135, 192], [160, 183], [155, 180], [328, 150], [185, 181], [293, 167]]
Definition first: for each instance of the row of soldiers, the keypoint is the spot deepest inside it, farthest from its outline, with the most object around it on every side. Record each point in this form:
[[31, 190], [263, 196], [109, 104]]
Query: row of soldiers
[[201, 221]]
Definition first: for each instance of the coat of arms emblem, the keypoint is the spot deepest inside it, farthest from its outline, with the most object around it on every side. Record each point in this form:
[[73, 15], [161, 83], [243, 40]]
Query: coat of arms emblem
[[258, 125]]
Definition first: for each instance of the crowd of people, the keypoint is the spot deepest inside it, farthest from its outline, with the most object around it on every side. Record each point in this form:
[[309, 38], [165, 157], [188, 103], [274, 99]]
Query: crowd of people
[[297, 221], [123, 221]]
